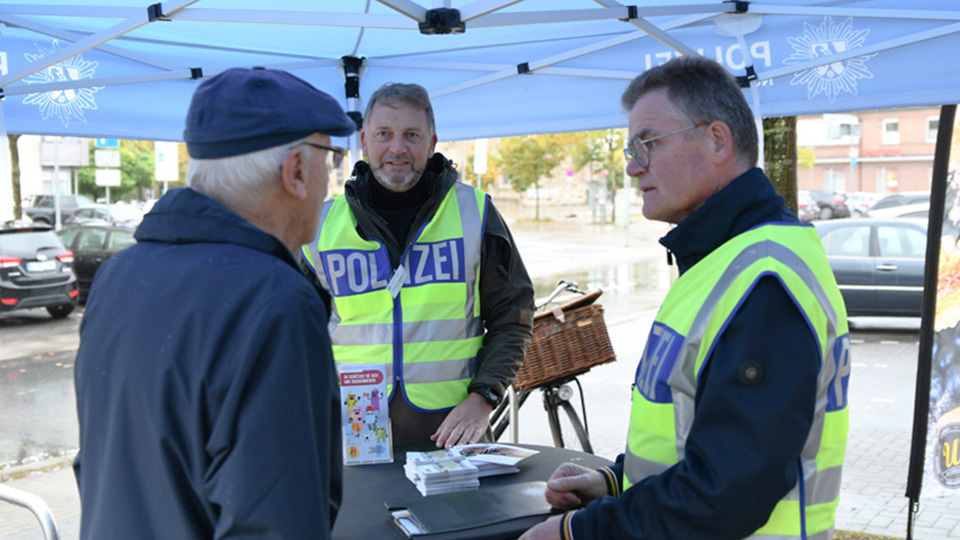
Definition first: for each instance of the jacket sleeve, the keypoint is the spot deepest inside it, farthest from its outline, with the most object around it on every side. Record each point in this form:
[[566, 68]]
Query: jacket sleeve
[[274, 446], [741, 455], [506, 305]]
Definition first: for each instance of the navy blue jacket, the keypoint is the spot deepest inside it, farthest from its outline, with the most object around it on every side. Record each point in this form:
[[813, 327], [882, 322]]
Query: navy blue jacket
[[206, 390], [742, 450]]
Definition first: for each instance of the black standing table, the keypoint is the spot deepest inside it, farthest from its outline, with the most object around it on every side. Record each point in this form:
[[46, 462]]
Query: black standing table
[[363, 515]]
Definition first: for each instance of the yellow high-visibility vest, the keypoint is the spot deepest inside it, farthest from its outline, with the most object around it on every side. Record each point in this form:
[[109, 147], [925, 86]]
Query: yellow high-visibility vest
[[421, 319], [687, 327]]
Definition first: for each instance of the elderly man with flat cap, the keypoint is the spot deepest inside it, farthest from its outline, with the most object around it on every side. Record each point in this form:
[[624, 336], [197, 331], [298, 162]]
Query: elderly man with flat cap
[[206, 389]]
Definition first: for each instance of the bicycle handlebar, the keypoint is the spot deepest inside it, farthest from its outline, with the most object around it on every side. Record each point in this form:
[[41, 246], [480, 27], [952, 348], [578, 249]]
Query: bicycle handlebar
[[562, 286]]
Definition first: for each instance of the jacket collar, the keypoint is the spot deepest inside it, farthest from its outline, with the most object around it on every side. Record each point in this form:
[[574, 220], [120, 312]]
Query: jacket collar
[[186, 216], [748, 201]]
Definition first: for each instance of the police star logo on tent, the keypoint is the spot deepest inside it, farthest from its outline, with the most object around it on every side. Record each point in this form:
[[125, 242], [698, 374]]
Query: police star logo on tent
[[69, 103], [830, 39]]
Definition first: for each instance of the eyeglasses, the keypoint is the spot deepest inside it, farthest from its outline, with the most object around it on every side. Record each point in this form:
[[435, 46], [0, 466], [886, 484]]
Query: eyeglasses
[[335, 151], [639, 149]]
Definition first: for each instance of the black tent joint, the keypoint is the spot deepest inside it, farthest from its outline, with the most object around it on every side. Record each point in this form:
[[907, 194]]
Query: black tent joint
[[523, 69], [442, 21], [739, 5], [155, 13], [632, 13], [744, 80], [196, 73], [351, 70]]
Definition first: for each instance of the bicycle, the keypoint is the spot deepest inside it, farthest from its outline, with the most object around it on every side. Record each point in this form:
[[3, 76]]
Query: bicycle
[[567, 341]]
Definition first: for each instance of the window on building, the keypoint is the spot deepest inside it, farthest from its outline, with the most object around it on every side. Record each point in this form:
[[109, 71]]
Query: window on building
[[891, 131], [933, 124], [835, 180]]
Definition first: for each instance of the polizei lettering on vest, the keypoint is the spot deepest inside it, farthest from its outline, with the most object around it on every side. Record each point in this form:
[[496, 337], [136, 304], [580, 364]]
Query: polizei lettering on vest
[[353, 272], [435, 262], [659, 356]]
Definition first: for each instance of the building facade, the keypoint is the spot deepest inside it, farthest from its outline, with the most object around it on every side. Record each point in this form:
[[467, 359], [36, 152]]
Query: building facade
[[873, 151]]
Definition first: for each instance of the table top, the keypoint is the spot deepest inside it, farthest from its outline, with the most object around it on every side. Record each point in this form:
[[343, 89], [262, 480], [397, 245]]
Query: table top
[[366, 487]]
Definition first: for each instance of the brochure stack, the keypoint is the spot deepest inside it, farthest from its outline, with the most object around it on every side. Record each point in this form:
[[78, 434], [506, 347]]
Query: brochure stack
[[440, 472]]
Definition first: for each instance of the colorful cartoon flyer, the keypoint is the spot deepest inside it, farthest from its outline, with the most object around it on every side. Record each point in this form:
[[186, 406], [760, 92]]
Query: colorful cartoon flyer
[[365, 419]]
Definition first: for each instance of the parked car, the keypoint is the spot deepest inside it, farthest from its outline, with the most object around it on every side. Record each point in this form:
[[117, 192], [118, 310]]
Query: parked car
[[117, 213], [860, 202], [912, 210], [91, 245], [878, 263], [36, 270], [832, 205], [807, 208], [40, 208], [900, 199]]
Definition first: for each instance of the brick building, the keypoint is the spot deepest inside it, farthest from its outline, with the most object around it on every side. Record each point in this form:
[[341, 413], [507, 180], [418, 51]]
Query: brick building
[[873, 151]]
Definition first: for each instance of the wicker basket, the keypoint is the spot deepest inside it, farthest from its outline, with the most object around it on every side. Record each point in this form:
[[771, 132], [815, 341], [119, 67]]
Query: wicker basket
[[567, 341]]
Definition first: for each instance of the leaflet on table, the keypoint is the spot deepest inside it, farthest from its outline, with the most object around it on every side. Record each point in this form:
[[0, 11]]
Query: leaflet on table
[[490, 458], [367, 437]]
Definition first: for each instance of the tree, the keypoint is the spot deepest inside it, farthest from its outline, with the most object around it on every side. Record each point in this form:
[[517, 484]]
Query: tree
[[525, 160], [469, 176], [601, 151], [780, 156]]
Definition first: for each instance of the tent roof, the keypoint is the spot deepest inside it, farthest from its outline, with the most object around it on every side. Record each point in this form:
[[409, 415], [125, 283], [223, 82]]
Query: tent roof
[[127, 68]]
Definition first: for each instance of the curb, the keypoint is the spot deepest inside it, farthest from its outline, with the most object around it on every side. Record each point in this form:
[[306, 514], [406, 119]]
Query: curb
[[23, 470]]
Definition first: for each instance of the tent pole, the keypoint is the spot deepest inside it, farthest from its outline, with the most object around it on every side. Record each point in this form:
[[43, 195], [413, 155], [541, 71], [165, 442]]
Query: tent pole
[[351, 89], [921, 406]]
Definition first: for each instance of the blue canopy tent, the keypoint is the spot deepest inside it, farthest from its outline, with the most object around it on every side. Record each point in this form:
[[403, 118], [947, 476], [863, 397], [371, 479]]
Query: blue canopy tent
[[127, 68]]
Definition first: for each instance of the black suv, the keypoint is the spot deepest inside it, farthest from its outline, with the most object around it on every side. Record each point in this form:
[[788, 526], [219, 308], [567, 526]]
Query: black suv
[[40, 208], [36, 271]]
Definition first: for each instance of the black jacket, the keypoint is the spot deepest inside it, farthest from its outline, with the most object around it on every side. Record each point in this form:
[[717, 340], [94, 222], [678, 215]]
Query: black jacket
[[206, 390]]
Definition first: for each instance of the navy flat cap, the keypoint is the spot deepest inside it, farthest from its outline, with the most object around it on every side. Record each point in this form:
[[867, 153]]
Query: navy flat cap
[[245, 110]]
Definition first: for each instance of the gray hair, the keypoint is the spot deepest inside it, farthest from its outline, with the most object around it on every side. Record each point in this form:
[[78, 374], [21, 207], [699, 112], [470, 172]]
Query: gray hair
[[239, 181], [413, 94], [703, 91]]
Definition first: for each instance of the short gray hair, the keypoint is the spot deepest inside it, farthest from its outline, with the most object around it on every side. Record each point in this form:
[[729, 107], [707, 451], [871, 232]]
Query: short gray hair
[[413, 94], [703, 91], [239, 181]]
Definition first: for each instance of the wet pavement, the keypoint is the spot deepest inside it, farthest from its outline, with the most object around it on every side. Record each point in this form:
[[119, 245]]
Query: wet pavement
[[37, 403]]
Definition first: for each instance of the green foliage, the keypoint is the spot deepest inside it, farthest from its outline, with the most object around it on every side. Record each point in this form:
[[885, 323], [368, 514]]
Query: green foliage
[[780, 156], [525, 160], [469, 176], [806, 159], [601, 151], [137, 173]]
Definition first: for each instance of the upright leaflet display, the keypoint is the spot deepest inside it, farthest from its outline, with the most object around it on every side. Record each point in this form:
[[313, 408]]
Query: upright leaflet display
[[365, 417]]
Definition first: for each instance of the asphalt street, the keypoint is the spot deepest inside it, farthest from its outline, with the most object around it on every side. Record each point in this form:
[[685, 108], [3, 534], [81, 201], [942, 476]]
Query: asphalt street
[[38, 404]]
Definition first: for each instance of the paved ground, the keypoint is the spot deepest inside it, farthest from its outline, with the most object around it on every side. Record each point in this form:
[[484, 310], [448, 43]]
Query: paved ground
[[629, 266]]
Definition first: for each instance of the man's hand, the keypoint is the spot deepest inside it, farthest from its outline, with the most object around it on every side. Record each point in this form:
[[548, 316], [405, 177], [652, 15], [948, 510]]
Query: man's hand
[[548, 530], [465, 424], [574, 486]]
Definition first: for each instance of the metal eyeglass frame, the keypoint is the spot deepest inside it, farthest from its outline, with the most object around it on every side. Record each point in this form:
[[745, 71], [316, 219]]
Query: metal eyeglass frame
[[638, 147], [337, 151]]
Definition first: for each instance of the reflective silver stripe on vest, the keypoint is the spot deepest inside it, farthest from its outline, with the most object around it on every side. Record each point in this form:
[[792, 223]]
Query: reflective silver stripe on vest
[[437, 371], [471, 224], [686, 381], [413, 332], [315, 248], [353, 365], [637, 467], [822, 535], [427, 331], [361, 334]]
